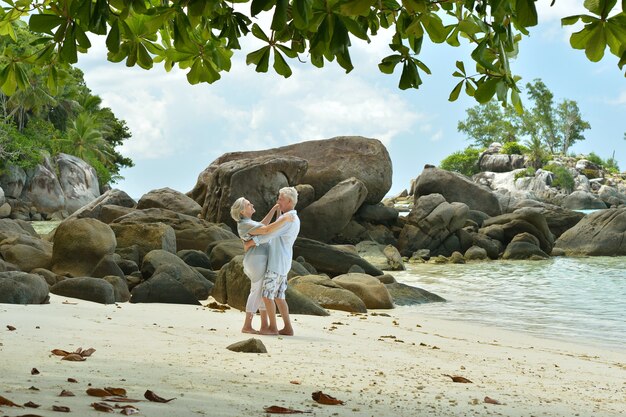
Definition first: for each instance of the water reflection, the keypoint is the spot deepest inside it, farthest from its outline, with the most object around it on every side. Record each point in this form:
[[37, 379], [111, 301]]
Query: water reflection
[[561, 297]]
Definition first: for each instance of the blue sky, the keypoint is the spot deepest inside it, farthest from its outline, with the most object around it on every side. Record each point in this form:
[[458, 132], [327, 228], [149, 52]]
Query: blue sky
[[179, 129]]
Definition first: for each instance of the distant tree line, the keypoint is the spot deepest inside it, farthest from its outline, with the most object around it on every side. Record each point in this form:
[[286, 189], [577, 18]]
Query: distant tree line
[[541, 131], [46, 118]]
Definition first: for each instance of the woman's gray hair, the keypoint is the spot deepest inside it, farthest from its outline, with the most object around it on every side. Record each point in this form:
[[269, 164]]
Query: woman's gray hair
[[291, 193], [236, 209]]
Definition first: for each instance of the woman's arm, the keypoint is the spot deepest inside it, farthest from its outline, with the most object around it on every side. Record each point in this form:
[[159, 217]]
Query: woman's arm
[[263, 230], [268, 217]]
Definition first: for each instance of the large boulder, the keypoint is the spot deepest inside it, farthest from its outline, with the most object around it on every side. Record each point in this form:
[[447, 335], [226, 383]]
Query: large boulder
[[583, 200], [43, 190], [146, 236], [328, 293], [222, 252], [406, 295], [79, 245], [330, 260], [26, 257], [97, 290], [601, 233], [199, 238], [528, 219], [78, 181], [22, 288], [94, 209], [456, 188], [378, 214], [258, 179], [611, 196], [169, 199], [13, 227], [381, 256], [178, 221], [432, 224], [12, 181], [176, 268], [500, 162], [368, 288], [559, 219], [162, 287], [330, 161], [326, 217], [524, 246]]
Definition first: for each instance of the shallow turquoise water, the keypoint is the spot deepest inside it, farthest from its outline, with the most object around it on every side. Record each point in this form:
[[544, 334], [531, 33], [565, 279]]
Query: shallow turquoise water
[[578, 299]]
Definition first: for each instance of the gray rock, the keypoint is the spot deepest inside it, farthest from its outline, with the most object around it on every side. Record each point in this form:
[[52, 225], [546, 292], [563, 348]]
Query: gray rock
[[527, 219], [368, 288], [192, 280], [176, 221], [326, 217], [327, 293], [79, 244], [110, 212], [523, 250], [457, 188], [500, 162], [162, 288], [476, 253], [598, 234], [114, 199], [5, 210], [582, 200], [50, 277], [22, 288], [194, 258], [12, 181], [147, 237], [406, 295], [78, 180], [200, 238], [120, 288], [306, 195], [43, 190], [108, 266], [377, 214], [169, 199], [329, 259], [559, 219], [329, 161], [220, 253], [97, 290], [252, 345], [301, 304], [26, 257]]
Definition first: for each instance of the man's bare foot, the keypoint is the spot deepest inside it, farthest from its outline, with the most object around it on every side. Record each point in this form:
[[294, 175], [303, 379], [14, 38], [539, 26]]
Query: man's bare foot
[[249, 330], [286, 332], [269, 331]]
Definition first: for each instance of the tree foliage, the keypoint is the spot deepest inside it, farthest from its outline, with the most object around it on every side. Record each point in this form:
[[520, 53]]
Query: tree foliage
[[36, 120], [546, 128], [200, 36], [464, 162]]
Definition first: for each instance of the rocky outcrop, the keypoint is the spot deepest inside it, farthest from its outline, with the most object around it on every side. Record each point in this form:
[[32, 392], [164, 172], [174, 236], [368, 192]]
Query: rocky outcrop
[[328, 293], [79, 245], [432, 224], [506, 226], [43, 190], [97, 290], [368, 288], [95, 208], [456, 188], [258, 179], [583, 200], [78, 181], [500, 162], [169, 199], [329, 161], [326, 217], [330, 260], [602, 233], [18, 287], [162, 287], [145, 236], [158, 261]]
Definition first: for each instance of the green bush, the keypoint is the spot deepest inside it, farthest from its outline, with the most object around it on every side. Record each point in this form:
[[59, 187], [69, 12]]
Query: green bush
[[593, 158], [514, 148], [464, 162], [528, 172], [563, 179]]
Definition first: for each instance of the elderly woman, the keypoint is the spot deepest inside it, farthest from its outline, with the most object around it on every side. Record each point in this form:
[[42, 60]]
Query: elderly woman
[[255, 259]]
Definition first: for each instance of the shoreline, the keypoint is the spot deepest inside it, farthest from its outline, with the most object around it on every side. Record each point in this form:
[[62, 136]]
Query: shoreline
[[384, 363]]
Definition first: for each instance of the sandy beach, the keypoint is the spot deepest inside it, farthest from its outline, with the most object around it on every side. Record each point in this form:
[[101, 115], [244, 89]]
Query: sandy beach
[[384, 363]]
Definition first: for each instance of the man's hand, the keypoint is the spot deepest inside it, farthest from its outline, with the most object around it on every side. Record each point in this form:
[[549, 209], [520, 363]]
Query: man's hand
[[247, 245]]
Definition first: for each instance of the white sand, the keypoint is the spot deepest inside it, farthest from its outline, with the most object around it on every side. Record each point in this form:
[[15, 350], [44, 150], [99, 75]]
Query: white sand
[[380, 366]]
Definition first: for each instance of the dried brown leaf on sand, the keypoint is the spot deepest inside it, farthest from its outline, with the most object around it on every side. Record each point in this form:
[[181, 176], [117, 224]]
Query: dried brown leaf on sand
[[216, 306], [118, 392], [459, 379], [34, 371], [86, 352], [120, 400], [295, 382], [491, 401], [66, 393], [98, 392], [61, 408], [275, 409], [104, 407], [73, 357], [151, 396], [31, 404], [60, 352], [8, 403], [72, 380], [320, 397], [11, 328]]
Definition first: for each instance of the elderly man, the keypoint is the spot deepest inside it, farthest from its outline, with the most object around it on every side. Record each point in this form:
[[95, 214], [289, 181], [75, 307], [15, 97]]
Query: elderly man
[[279, 262]]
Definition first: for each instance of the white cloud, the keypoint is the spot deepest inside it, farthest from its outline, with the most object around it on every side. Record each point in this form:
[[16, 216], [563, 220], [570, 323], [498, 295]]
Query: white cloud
[[559, 10]]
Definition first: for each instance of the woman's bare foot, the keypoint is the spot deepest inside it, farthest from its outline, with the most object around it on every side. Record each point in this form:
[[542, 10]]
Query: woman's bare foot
[[249, 330], [286, 332], [269, 331]]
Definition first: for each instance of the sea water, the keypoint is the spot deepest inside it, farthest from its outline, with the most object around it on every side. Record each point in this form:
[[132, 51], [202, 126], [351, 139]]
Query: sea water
[[575, 299]]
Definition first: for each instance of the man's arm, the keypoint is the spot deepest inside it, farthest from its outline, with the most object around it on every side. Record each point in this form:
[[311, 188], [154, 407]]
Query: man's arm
[[268, 217], [281, 230], [263, 230]]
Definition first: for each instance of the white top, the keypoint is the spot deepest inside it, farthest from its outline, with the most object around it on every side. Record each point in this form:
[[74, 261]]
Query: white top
[[281, 245]]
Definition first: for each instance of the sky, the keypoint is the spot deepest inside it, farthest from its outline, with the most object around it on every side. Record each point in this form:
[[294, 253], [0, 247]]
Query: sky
[[178, 129]]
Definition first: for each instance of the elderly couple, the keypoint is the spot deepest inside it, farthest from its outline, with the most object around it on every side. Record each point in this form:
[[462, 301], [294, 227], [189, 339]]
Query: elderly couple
[[268, 252]]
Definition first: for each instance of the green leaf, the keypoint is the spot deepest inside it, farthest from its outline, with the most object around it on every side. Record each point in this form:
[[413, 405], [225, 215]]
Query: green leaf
[[44, 23], [258, 6], [355, 28], [409, 78], [280, 65], [113, 38], [280, 15], [258, 33], [357, 7], [10, 84], [287, 51], [600, 7], [68, 47], [486, 90], [340, 40], [143, 57], [596, 44], [480, 55], [81, 38], [516, 101], [571, 20], [580, 39], [454, 95], [526, 12], [21, 77], [461, 66], [388, 64], [435, 28], [301, 12], [260, 58]]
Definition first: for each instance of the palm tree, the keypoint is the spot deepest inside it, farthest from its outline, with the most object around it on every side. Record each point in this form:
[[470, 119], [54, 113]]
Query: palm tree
[[85, 139]]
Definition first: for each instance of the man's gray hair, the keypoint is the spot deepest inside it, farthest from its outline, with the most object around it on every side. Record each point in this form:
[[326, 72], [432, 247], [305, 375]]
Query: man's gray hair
[[236, 208], [291, 193]]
